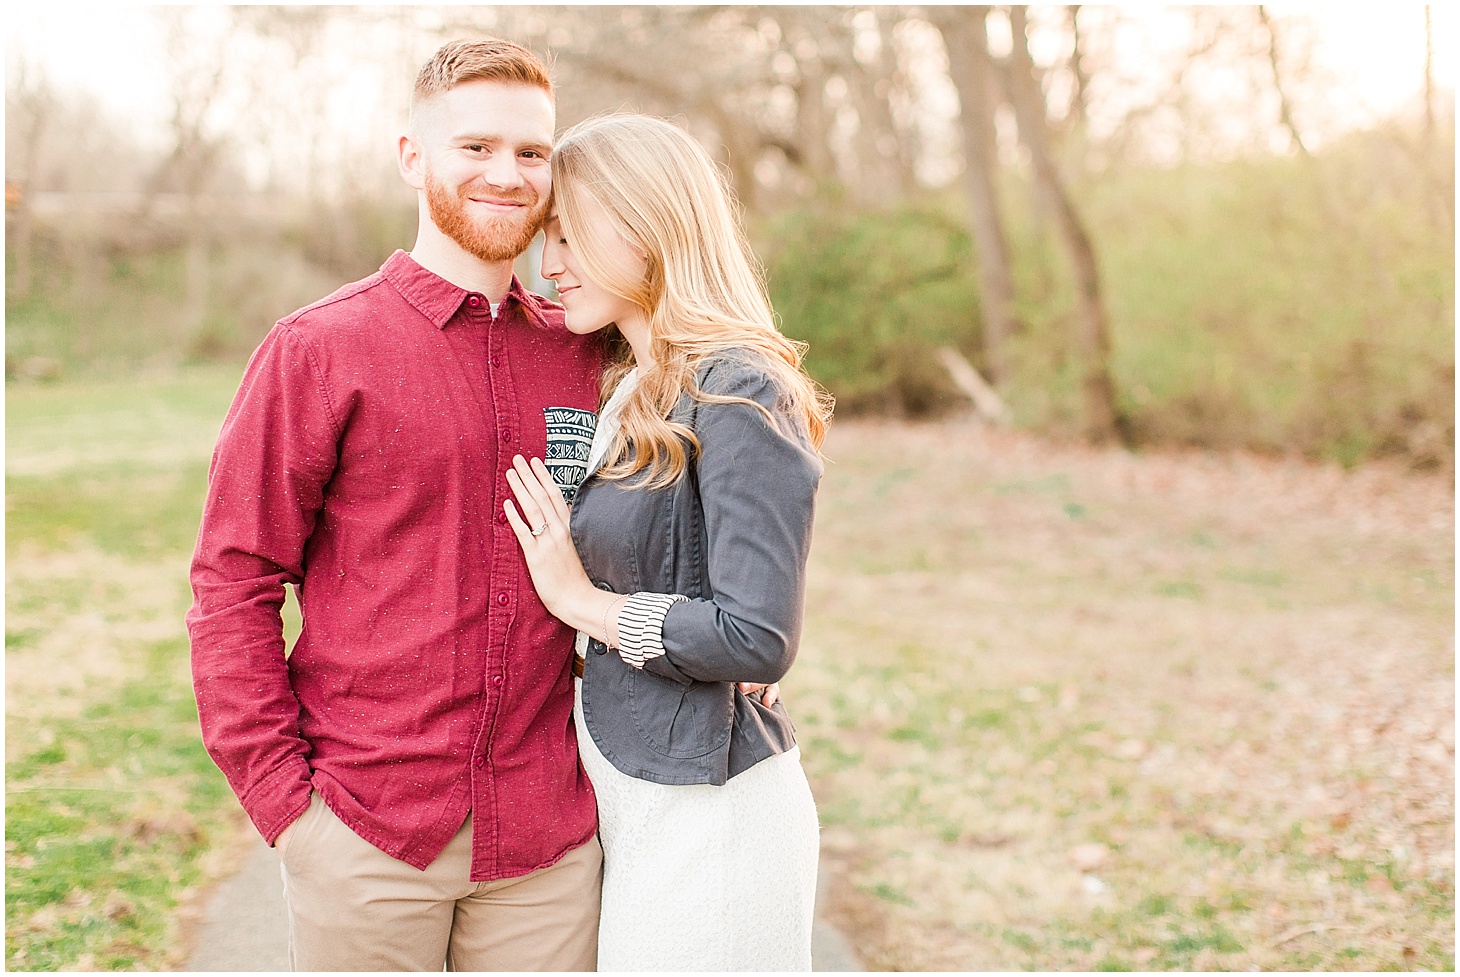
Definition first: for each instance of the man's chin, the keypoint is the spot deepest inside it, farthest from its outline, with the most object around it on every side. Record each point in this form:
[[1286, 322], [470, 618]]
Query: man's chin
[[486, 238], [503, 239]]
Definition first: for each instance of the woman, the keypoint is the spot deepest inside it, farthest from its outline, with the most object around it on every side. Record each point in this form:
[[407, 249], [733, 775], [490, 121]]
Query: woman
[[693, 529]]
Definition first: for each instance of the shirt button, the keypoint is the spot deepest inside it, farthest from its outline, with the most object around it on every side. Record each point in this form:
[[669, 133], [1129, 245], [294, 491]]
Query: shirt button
[[496, 361], [474, 302], [497, 681], [502, 518], [479, 762], [502, 598]]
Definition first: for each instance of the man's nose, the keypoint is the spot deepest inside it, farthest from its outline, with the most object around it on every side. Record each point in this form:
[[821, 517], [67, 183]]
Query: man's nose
[[502, 171]]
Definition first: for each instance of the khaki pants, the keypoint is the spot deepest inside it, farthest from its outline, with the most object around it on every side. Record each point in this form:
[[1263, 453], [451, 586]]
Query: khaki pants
[[353, 907]]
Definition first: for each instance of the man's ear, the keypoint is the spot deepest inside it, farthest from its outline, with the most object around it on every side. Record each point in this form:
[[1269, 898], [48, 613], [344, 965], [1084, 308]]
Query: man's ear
[[411, 162]]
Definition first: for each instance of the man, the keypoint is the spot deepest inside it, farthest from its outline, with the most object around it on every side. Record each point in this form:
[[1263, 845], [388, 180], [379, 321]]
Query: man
[[414, 759]]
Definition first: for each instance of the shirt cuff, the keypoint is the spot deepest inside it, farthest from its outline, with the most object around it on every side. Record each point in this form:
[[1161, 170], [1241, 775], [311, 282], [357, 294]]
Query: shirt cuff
[[641, 626]]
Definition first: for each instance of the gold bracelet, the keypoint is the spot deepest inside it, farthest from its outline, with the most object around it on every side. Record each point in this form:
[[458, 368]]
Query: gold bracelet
[[606, 633]]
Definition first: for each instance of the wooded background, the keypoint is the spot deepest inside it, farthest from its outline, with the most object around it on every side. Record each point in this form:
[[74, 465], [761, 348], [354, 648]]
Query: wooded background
[[1063, 707], [1144, 224]]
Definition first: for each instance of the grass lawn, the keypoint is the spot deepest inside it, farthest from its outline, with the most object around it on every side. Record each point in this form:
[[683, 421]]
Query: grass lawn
[[1075, 709], [1062, 708], [114, 813]]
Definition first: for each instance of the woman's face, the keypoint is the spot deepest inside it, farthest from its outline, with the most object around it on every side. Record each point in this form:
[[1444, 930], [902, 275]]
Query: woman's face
[[588, 305]]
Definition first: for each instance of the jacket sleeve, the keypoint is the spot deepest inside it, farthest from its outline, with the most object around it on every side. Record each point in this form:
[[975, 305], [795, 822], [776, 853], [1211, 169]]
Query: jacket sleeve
[[276, 451], [757, 484]]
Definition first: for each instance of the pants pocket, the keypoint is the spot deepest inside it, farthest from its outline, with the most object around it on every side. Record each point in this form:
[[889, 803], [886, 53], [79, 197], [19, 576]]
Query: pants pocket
[[300, 832]]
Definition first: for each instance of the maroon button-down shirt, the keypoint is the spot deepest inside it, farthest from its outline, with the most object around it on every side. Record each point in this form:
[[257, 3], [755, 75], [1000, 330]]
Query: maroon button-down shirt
[[363, 461]]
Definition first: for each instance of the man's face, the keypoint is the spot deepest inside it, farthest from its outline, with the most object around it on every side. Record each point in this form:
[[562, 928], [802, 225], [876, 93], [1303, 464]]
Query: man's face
[[484, 149]]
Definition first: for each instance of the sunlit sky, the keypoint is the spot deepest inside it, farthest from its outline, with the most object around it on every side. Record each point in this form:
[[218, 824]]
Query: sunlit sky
[[1373, 54]]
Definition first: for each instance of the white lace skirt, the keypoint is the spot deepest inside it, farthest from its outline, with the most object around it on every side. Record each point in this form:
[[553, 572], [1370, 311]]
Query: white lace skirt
[[701, 877]]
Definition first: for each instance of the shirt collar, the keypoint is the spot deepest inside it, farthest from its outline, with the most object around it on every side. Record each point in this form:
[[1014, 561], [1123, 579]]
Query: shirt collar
[[436, 298]]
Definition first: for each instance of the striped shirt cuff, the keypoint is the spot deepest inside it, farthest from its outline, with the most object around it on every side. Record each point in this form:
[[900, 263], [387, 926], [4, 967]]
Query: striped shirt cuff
[[641, 626]]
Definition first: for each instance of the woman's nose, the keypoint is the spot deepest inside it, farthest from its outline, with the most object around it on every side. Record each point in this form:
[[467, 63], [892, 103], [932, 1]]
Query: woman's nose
[[552, 264]]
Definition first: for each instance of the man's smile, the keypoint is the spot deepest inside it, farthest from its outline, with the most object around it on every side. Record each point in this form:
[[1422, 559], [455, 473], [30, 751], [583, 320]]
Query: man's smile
[[498, 206]]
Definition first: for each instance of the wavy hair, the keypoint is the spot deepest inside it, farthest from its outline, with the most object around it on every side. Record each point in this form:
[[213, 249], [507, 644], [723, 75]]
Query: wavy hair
[[702, 290]]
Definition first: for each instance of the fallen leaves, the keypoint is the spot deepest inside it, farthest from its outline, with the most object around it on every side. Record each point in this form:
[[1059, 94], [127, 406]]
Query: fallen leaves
[[1247, 763]]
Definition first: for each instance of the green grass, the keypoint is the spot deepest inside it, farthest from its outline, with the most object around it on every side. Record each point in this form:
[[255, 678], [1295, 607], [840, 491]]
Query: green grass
[[124, 512], [112, 315], [112, 805], [105, 826]]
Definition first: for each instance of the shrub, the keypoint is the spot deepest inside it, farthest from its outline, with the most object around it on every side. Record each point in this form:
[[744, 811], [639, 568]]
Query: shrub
[[875, 295]]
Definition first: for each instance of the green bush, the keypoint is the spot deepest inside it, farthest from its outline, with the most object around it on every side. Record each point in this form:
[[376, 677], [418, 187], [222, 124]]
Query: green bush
[[1277, 304], [875, 295], [1286, 304]]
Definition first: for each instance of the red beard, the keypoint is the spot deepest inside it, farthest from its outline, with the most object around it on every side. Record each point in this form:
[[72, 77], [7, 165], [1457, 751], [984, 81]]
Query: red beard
[[489, 238]]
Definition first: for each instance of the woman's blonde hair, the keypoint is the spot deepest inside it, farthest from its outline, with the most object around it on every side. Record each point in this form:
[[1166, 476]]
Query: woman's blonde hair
[[702, 290]]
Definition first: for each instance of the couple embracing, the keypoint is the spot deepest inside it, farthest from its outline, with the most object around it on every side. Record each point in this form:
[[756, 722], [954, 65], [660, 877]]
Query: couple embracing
[[550, 560]]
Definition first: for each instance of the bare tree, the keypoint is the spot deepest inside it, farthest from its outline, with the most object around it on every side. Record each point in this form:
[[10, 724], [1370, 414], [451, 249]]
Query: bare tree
[[814, 121], [754, 81], [1092, 327], [197, 67], [30, 108], [969, 63], [704, 63], [1429, 78], [1285, 109], [1079, 104], [885, 168]]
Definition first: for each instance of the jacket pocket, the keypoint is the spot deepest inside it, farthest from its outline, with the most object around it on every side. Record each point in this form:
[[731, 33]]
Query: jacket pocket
[[681, 721]]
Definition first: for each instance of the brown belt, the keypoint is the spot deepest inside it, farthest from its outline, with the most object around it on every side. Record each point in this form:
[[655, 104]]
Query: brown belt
[[578, 666]]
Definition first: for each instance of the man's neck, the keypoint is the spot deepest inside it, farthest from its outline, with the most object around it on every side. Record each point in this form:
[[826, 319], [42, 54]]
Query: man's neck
[[442, 256]]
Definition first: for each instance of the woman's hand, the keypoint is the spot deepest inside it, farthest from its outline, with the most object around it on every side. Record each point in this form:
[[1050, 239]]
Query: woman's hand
[[540, 520]]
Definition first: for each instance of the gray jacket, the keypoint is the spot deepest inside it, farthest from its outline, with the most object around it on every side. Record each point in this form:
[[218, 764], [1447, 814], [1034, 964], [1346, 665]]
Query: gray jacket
[[732, 535]]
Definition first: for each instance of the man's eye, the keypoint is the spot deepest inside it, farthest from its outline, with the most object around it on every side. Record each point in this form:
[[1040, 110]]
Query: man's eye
[[477, 148]]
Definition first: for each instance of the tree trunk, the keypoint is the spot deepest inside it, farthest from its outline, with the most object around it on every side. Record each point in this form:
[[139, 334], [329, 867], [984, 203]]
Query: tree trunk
[[813, 123], [1103, 423], [970, 66], [887, 176], [1429, 79], [1285, 110], [1079, 102]]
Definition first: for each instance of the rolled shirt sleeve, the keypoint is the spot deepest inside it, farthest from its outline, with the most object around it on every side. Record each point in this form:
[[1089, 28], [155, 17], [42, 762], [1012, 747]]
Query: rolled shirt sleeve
[[641, 626]]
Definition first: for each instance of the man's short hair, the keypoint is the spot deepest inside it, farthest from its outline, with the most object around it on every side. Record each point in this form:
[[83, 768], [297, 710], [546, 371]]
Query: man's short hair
[[481, 59]]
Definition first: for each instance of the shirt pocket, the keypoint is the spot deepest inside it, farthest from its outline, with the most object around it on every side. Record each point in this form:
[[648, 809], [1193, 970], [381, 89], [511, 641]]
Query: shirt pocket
[[680, 721], [569, 440]]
